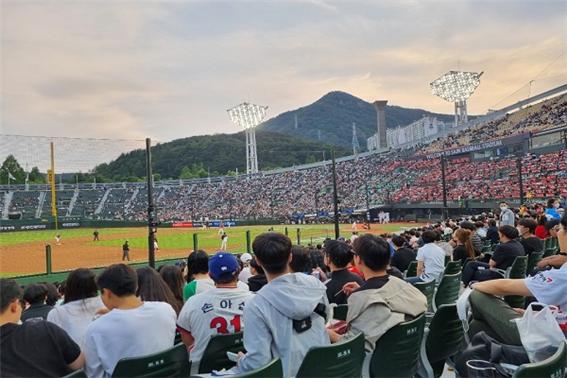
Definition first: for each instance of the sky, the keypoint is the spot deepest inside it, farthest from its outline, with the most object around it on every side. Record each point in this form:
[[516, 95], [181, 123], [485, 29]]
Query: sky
[[167, 70]]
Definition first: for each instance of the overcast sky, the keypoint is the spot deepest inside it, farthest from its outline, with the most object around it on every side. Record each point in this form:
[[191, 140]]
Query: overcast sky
[[131, 69]]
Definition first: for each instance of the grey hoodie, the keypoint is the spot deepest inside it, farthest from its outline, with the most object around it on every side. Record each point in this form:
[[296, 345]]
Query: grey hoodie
[[268, 323]]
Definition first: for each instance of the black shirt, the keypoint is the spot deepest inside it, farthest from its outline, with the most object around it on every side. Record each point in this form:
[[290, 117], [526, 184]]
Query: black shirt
[[492, 234], [335, 285], [36, 311], [505, 253], [257, 282], [402, 258], [460, 253], [36, 349], [374, 283], [532, 244]]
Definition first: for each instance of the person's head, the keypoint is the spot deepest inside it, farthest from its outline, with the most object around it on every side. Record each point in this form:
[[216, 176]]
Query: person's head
[[52, 294], [463, 236], [255, 268], [479, 224], [526, 226], [246, 258], [197, 263], [80, 284], [273, 252], [10, 301], [300, 260], [503, 205], [337, 254], [507, 233], [429, 237], [35, 294], [492, 222], [223, 268], [372, 254], [468, 226], [541, 220], [398, 241], [553, 203], [151, 287], [552, 226], [173, 277], [115, 283]]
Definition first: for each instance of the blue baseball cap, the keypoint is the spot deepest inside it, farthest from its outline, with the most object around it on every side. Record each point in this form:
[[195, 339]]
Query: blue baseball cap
[[223, 265]]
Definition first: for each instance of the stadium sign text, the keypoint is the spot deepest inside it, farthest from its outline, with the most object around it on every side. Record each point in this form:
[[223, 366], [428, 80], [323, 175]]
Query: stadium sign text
[[481, 146]]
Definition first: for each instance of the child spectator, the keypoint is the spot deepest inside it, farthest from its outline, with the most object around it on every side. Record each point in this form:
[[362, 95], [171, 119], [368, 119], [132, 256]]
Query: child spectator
[[36, 295], [258, 279], [338, 255], [430, 259], [464, 248], [403, 255]]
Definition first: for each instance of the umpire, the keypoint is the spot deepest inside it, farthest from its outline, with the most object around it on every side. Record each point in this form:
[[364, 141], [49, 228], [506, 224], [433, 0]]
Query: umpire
[[125, 251]]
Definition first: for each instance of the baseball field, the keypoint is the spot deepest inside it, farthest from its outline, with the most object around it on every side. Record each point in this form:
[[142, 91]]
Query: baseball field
[[23, 253]]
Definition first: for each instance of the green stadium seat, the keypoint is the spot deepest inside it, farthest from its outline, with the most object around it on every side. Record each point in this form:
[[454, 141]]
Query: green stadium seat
[[340, 312], [428, 289], [533, 259], [343, 359], [518, 271], [453, 267], [397, 352], [412, 270], [274, 369], [215, 358], [553, 367], [173, 362], [447, 260], [444, 338], [76, 374], [448, 290]]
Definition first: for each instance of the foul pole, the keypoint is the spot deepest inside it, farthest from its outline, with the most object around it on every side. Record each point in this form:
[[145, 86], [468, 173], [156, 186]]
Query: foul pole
[[151, 208], [51, 178]]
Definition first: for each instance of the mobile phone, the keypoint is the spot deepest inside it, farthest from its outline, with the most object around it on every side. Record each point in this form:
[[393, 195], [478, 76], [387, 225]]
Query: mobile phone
[[232, 356]]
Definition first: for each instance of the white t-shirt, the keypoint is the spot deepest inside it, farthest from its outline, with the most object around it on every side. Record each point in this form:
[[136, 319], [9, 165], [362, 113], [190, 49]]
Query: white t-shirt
[[144, 330], [206, 284], [244, 275], [433, 258], [218, 311], [550, 287], [74, 317]]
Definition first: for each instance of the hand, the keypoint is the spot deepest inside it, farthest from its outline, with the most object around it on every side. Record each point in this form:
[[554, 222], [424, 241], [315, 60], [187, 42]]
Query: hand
[[349, 287], [333, 336], [241, 354], [519, 310], [542, 263]]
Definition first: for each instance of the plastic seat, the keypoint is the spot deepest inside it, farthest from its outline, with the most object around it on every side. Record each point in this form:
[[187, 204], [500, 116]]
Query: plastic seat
[[447, 260], [411, 270], [518, 270], [428, 289], [533, 259], [340, 312], [274, 369], [343, 359], [553, 367], [397, 352], [443, 339], [215, 358], [453, 267], [448, 290], [76, 374], [173, 362]]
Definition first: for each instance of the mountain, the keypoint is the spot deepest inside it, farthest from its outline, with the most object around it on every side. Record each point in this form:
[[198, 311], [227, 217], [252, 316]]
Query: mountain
[[220, 153], [329, 119]]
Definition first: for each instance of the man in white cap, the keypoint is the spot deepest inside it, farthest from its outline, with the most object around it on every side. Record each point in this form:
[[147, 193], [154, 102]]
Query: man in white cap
[[245, 274]]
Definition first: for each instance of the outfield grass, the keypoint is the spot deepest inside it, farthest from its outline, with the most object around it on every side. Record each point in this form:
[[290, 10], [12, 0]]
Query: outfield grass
[[19, 237]]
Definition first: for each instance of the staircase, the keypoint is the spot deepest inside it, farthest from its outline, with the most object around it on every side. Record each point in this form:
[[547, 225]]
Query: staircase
[[102, 201], [7, 200], [41, 200], [72, 202], [131, 200]]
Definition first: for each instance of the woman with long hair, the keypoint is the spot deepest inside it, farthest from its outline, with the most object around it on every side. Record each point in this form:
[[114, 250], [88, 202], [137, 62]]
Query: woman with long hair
[[464, 247], [82, 304], [152, 288], [173, 277]]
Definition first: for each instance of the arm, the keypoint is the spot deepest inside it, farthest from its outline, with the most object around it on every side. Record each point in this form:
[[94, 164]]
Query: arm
[[186, 337], [420, 268], [555, 260], [78, 363], [492, 263], [257, 343], [503, 287]]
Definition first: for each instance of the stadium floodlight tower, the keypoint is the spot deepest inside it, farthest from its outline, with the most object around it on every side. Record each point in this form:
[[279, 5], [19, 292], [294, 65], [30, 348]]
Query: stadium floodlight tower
[[248, 116], [457, 87]]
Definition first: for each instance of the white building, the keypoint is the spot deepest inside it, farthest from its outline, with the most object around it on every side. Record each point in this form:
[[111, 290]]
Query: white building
[[420, 131]]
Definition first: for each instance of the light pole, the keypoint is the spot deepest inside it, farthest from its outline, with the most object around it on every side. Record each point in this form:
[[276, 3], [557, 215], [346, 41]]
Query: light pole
[[335, 195], [248, 116]]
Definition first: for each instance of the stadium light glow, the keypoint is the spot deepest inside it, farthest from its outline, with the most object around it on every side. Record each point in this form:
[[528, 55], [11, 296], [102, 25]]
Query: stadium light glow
[[248, 116], [457, 87]]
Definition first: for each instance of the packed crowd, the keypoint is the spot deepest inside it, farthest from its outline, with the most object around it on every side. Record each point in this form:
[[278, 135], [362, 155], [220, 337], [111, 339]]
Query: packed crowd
[[283, 298]]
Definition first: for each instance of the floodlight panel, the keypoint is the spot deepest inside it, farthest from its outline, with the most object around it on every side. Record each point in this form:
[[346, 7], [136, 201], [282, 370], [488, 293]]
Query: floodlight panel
[[456, 85], [247, 115]]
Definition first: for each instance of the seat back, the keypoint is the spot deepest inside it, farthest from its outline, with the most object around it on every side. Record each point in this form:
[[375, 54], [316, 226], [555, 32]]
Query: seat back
[[77, 374], [412, 270], [553, 367], [447, 260], [446, 336], [397, 352], [214, 356], [517, 270], [428, 289], [448, 290], [550, 246], [533, 259], [173, 362], [340, 312], [343, 359], [453, 267], [273, 369]]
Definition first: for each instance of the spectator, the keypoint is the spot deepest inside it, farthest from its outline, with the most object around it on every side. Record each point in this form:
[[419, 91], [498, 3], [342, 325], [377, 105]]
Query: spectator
[[274, 327], [198, 279], [132, 328], [430, 260], [382, 301], [300, 261], [338, 255], [152, 288], [530, 242], [492, 232], [481, 230], [507, 216], [464, 248], [52, 294], [173, 277], [475, 237], [216, 311], [82, 303], [245, 274], [403, 255], [258, 279], [35, 348], [503, 257], [540, 230], [35, 295], [556, 229], [551, 210]]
